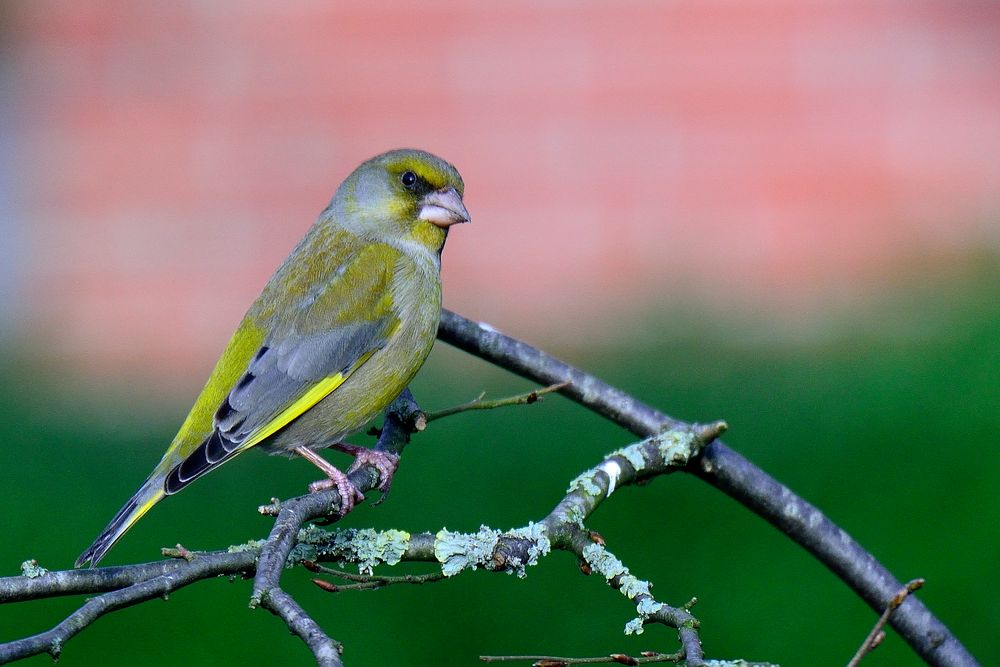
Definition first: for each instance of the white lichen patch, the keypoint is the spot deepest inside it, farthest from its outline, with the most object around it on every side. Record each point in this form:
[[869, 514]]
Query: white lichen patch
[[457, 551], [32, 570], [611, 468]]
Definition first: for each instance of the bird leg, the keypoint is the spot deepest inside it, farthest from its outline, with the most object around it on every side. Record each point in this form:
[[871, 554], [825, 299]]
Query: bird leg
[[336, 479], [385, 463]]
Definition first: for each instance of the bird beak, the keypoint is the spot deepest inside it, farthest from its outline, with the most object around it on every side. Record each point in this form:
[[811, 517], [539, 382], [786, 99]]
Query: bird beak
[[443, 207]]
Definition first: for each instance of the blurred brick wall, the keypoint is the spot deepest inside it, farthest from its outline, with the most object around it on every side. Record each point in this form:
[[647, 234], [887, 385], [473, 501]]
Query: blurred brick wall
[[618, 156]]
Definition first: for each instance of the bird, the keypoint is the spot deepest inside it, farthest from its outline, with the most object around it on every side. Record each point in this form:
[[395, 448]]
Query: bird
[[338, 331]]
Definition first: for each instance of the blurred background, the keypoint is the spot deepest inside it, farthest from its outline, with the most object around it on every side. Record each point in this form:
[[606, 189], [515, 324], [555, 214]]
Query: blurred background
[[783, 214]]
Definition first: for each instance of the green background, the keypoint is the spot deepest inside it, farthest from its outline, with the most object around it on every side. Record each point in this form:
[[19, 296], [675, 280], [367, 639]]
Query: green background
[[886, 419]]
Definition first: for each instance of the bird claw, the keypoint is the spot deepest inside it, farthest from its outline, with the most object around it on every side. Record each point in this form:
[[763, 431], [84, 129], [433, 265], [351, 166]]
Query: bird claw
[[385, 463], [349, 494]]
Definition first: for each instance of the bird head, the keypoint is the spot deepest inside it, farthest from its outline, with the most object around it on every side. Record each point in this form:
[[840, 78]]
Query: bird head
[[403, 195]]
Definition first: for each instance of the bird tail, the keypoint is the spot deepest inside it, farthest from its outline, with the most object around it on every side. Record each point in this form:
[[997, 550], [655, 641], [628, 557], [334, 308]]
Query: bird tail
[[148, 495]]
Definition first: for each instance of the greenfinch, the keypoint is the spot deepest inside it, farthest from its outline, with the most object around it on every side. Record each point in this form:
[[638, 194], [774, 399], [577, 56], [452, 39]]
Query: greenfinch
[[337, 333]]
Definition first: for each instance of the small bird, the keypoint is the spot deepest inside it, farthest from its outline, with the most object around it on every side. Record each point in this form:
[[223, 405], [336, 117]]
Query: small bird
[[337, 333]]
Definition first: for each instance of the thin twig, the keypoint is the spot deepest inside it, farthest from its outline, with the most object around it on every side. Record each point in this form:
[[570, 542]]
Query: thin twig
[[875, 637], [646, 658], [362, 582], [184, 573], [479, 404]]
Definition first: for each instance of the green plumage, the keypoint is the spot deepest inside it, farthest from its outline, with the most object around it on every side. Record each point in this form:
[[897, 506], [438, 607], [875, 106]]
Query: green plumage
[[338, 331]]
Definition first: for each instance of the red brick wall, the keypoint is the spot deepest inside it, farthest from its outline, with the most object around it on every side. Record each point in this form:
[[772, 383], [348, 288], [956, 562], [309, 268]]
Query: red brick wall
[[617, 155]]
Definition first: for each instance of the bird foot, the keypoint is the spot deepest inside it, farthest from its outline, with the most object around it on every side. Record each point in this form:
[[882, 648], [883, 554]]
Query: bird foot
[[349, 494], [386, 464]]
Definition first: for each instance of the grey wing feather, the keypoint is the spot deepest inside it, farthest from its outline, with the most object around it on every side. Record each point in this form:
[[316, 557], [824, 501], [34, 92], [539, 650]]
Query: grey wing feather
[[281, 371], [277, 376]]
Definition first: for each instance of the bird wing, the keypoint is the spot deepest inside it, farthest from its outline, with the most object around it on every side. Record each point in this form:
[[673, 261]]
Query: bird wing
[[322, 315], [323, 335]]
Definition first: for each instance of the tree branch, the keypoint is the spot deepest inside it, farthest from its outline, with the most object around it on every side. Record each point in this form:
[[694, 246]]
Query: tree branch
[[670, 444], [511, 551], [325, 650], [145, 585], [732, 474]]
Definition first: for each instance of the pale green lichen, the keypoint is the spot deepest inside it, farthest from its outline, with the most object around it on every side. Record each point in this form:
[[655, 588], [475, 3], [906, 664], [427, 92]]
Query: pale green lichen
[[311, 543], [373, 547], [252, 545], [676, 447], [631, 586], [368, 547], [587, 483], [32, 570], [573, 516], [540, 545], [634, 455], [603, 561], [646, 607], [634, 627], [457, 551]]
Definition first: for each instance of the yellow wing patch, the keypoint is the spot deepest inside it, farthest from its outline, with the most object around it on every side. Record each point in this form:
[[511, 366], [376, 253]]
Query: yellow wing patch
[[311, 397]]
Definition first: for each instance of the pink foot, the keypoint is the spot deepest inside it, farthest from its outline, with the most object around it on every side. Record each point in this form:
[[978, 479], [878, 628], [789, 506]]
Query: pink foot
[[385, 464], [349, 494]]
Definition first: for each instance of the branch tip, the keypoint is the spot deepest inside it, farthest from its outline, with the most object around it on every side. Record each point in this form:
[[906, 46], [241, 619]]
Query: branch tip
[[477, 403], [271, 509], [709, 432], [326, 585], [877, 634], [177, 552]]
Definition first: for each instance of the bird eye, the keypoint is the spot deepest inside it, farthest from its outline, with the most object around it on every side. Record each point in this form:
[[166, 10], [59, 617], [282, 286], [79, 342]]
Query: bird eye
[[408, 179]]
